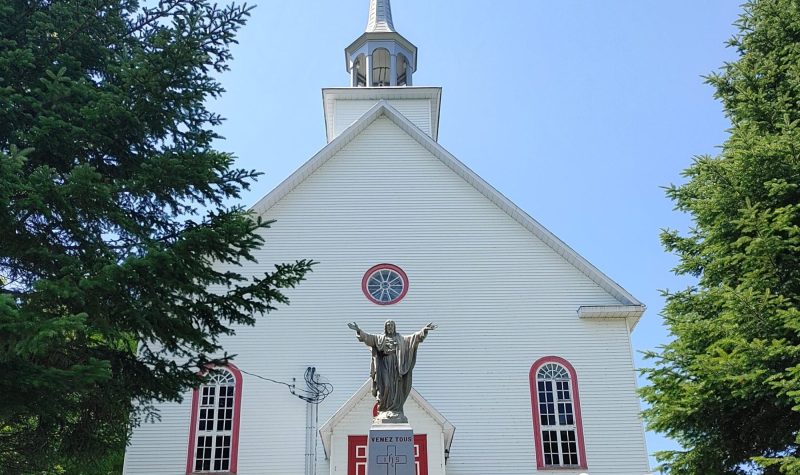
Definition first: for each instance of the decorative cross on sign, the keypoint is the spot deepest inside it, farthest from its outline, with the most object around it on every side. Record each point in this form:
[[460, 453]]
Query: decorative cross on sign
[[391, 460]]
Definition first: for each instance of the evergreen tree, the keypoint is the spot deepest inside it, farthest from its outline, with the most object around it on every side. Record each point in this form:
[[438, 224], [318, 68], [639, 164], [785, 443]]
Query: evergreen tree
[[727, 387], [118, 245]]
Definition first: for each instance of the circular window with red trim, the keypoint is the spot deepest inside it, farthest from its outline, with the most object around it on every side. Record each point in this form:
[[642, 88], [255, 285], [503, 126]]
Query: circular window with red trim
[[385, 284]]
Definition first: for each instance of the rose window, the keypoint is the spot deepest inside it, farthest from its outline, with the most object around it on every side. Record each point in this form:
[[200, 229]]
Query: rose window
[[385, 284]]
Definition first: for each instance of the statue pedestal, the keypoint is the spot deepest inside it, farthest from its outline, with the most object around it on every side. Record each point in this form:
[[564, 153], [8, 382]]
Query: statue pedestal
[[390, 450]]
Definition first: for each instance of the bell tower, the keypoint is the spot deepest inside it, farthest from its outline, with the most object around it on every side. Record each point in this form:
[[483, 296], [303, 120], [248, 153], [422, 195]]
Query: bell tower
[[381, 56], [381, 64]]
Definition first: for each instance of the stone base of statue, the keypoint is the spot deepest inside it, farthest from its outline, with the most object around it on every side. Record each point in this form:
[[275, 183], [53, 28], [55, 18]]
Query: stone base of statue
[[390, 450]]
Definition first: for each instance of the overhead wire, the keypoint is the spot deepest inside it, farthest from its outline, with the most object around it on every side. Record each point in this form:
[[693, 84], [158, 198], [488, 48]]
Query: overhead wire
[[317, 390]]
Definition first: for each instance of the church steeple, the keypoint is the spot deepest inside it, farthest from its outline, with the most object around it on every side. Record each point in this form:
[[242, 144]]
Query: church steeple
[[381, 64], [381, 56], [380, 16]]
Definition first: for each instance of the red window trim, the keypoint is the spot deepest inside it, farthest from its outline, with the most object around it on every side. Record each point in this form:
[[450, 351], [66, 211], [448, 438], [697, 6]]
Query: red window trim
[[237, 404], [391, 267], [576, 403]]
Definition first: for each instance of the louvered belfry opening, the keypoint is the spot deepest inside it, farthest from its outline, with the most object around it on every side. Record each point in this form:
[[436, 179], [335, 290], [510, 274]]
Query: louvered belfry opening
[[381, 69], [402, 70]]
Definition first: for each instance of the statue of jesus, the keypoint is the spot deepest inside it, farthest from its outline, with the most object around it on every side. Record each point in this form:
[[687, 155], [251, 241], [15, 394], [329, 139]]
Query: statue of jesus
[[393, 358]]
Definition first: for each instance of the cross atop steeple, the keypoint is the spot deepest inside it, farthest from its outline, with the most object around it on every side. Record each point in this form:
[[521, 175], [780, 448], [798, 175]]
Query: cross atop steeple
[[380, 16], [381, 56]]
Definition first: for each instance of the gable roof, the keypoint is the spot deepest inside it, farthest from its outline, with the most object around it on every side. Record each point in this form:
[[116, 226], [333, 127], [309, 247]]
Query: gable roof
[[326, 431], [630, 307]]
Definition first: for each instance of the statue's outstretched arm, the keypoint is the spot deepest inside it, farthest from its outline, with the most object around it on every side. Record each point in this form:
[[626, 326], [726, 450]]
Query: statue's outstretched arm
[[354, 326], [429, 327]]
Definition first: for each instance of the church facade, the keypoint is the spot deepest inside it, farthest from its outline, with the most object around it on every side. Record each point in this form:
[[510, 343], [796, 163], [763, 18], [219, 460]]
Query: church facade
[[529, 371]]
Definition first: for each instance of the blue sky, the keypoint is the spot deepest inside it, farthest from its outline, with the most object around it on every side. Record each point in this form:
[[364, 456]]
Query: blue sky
[[578, 111]]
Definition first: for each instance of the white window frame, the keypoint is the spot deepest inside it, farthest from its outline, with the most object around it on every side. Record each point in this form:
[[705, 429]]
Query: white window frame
[[556, 375], [215, 423]]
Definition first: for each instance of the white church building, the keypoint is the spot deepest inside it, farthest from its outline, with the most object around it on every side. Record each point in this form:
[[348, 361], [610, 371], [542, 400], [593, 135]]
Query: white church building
[[530, 369]]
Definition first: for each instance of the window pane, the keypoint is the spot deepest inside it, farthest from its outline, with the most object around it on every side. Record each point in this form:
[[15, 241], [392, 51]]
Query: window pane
[[569, 448], [565, 414], [550, 447]]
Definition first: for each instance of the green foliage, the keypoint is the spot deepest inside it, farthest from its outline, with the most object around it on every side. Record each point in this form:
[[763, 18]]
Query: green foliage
[[728, 386], [118, 248]]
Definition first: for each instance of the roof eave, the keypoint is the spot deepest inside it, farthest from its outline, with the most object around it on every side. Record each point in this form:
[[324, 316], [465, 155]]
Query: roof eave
[[630, 313]]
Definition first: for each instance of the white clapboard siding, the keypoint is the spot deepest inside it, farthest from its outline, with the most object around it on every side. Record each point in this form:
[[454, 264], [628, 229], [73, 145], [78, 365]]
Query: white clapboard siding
[[418, 111], [502, 298], [161, 447]]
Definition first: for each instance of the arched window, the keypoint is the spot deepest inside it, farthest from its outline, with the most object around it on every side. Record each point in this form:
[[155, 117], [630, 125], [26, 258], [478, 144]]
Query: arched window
[[557, 428], [214, 434]]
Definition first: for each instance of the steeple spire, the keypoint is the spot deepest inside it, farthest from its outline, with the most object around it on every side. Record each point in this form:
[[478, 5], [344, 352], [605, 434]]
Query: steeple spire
[[381, 56], [380, 16]]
